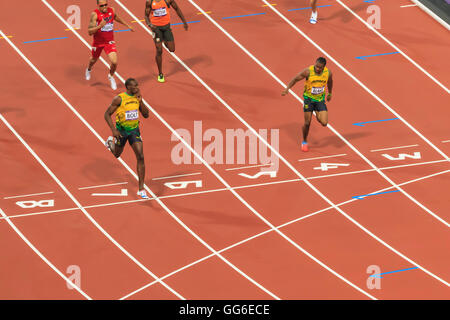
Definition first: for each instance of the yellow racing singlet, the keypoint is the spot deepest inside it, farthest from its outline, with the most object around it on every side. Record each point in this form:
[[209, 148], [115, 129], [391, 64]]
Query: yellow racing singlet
[[127, 114], [315, 84]]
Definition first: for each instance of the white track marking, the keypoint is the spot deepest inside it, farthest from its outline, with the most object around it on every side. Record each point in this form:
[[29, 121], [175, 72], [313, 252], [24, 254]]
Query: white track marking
[[432, 14], [103, 185], [133, 173], [177, 176], [394, 46], [401, 147], [226, 183], [225, 189], [408, 5], [255, 166], [446, 141], [333, 156], [22, 236], [357, 81], [77, 203], [270, 230], [283, 159], [218, 177], [29, 195], [329, 126]]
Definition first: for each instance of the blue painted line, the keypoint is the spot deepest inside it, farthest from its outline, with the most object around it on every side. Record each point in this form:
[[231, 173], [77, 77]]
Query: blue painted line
[[373, 194], [246, 15], [379, 274], [328, 5], [122, 30], [376, 55], [45, 40], [361, 124], [176, 24], [369, 1]]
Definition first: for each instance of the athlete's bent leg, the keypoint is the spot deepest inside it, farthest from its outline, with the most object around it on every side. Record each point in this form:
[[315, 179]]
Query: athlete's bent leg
[[138, 149], [91, 63], [170, 45], [308, 116], [314, 5], [113, 59], [322, 117]]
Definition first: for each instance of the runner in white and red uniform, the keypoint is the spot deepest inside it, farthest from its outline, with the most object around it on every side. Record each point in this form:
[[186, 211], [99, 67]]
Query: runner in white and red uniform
[[101, 26]]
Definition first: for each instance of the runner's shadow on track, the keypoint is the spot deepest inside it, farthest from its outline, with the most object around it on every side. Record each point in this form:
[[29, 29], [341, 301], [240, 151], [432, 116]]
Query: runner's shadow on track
[[19, 111], [336, 142], [176, 67]]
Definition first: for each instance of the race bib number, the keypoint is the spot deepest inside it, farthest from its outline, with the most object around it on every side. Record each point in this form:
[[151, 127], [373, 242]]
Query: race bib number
[[108, 27], [159, 12], [131, 115], [317, 90]]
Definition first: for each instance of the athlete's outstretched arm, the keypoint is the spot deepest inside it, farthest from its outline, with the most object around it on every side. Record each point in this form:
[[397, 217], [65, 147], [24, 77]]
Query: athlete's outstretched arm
[[330, 86], [93, 27], [179, 13], [119, 20], [302, 75], [109, 112]]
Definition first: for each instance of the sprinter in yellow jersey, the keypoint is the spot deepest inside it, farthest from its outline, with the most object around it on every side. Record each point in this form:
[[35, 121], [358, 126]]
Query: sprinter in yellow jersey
[[127, 106], [317, 77]]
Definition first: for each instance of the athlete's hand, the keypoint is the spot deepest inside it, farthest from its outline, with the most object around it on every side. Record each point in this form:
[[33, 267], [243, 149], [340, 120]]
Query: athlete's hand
[[116, 134], [284, 92], [328, 97], [102, 23], [131, 28], [151, 26]]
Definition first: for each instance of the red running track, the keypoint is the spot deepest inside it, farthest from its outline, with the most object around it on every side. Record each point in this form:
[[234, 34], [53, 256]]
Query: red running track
[[319, 252]]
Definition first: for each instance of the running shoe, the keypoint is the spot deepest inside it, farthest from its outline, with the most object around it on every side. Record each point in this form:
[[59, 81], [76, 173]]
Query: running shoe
[[142, 194], [112, 81], [304, 146], [161, 78], [109, 142], [313, 19], [88, 74]]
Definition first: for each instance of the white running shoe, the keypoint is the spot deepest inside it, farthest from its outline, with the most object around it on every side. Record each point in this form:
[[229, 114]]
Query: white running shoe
[[109, 141], [313, 19], [142, 194], [112, 81], [88, 74]]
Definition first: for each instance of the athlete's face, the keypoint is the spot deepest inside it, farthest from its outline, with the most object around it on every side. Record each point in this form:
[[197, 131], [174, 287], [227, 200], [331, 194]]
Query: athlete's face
[[103, 6], [318, 67], [133, 88]]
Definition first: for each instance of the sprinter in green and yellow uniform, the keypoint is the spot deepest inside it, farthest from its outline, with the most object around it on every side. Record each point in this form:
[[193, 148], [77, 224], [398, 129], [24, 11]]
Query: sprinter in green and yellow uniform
[[127, 106], [317, 78]]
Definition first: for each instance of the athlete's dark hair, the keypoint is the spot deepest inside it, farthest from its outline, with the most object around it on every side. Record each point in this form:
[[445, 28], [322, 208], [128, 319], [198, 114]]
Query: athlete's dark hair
[[128, 81], [322, 60]]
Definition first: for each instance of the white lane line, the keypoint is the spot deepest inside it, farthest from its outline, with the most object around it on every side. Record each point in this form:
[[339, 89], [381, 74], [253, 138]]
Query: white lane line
[[401, 147], [103, 185], [394, 46], [342, 138], [408, 5], [177, 176], [296, 245], [225, 189], [77, 203], [29, 195], [152, 194], [333, 156], [357, 81], [268, 231], [446, 141], [22, 236], [331, 127], [247, 167]]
